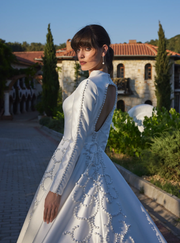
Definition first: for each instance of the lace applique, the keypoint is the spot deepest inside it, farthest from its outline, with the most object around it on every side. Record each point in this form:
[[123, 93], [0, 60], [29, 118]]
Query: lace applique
[[95, 197], [49, 173], [152, 224], [97, 203], [57, 157]]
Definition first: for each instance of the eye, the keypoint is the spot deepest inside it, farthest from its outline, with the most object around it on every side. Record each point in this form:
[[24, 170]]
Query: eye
[[88, 48]]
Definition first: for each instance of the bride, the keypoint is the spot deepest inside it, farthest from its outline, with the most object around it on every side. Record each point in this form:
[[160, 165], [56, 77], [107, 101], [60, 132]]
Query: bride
[[82, 197]]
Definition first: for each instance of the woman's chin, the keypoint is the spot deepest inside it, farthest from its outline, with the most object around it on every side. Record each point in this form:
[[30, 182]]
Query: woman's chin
[[84, 69]]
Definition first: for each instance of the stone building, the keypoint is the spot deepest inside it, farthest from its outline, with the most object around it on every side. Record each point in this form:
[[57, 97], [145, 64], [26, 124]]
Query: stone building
[[133, 72], [21, 92]]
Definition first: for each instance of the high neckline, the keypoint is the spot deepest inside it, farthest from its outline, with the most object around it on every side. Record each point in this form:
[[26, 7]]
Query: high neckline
[[96, 72]]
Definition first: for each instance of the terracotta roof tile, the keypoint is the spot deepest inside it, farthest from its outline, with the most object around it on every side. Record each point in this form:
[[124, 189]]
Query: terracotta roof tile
[[136, 49], [29, 55], [70, 53], [61, 50], [173, 53], [24, 61]]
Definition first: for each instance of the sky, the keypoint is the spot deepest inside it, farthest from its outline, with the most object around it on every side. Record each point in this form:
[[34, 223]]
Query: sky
[[124, 20]]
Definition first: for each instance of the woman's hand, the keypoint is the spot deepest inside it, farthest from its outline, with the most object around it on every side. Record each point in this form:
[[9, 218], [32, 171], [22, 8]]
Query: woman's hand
[[51, 206]]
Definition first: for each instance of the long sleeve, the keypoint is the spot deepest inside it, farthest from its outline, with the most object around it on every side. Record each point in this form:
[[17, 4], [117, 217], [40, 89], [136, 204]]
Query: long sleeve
[[83, 113]]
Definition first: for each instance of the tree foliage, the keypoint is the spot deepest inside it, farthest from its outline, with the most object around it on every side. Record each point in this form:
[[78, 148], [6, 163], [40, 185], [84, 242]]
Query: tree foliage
[[162, 78], [34, 46], [172, 44], [79, 75], [6, 71], [50, 76]]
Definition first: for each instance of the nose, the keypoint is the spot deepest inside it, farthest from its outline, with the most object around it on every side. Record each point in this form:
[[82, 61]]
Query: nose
[[80, 54]]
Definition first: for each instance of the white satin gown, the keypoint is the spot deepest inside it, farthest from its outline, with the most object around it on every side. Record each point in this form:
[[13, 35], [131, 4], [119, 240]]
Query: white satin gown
[[97, 205]]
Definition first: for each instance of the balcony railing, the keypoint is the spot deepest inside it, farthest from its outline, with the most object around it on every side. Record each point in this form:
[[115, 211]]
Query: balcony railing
[[123, 85], [177, 82]]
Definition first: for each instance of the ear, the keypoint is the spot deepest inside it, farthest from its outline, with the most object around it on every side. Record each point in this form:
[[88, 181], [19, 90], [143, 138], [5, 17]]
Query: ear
[[105, 49]]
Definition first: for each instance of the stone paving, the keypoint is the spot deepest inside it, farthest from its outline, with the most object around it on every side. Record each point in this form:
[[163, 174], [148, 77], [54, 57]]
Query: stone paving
[[25, 151], [24, 154]]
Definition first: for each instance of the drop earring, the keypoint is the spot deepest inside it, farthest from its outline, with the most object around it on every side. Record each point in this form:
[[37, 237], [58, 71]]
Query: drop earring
[[103, 61]]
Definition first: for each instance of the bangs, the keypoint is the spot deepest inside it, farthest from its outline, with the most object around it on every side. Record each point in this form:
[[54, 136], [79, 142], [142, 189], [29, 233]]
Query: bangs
[[83, 38]]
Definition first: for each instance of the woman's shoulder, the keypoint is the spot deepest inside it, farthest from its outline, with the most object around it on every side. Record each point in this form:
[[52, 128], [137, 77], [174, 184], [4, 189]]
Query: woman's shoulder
[[88, 84], [86, 88], [97, 82], [102, 80]]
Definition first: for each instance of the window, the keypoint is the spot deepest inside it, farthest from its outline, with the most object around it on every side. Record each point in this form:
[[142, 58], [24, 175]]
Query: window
[[148, 102], [121, 105], [177, 102], [148, 72], [120, 71]]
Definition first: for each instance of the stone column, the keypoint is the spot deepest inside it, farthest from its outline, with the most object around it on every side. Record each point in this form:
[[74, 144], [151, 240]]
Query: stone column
[[18, 108], [7, 114], [6, 103]]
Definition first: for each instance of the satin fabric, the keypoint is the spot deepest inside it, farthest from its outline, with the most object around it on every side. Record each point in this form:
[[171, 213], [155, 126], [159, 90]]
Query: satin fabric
[[97, 205]]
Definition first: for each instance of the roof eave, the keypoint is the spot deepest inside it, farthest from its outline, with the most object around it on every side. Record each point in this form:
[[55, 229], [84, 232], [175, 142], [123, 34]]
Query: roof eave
[[38, 59], [176, 57], [65, 57], [134, 56]]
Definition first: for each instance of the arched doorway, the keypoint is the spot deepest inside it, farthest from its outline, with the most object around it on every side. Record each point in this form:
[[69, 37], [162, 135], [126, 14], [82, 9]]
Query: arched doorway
[[121, 105], [148, 102]]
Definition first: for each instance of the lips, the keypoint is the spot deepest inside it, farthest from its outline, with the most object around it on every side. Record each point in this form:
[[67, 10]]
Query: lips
[[82, 63]]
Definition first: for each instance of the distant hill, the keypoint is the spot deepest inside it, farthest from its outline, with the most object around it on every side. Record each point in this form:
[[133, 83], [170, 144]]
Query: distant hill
[[173, 43], [16, 46]]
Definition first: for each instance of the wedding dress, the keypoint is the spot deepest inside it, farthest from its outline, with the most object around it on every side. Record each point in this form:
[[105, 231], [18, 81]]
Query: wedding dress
[[97, 205]]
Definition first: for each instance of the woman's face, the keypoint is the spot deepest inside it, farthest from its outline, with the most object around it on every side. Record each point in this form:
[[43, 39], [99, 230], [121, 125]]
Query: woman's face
[[90, 58]]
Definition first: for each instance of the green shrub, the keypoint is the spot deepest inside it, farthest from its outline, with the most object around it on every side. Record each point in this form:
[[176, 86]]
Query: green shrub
[[163, 156], [161, 121], [57, 125], [44, 121], [127, 139], [168, 187], [59, 116], [39, 107]]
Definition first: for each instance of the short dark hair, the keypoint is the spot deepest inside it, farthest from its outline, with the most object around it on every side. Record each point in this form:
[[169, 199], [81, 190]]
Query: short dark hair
[[94, 36]]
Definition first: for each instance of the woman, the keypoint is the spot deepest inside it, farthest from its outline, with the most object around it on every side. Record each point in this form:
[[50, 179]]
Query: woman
[[82, 196]]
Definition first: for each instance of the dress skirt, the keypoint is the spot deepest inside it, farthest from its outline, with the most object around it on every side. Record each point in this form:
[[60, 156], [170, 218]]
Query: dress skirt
[[97, 205]]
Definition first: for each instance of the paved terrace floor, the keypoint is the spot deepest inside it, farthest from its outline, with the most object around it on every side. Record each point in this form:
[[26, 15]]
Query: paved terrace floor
[[25, 150]]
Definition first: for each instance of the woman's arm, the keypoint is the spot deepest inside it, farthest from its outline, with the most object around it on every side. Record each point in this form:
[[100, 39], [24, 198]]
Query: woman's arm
[[83, 109], [83, 114]]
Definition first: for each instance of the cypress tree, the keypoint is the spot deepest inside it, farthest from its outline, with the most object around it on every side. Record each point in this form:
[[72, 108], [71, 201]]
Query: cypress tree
[[50, 76], [6, 70], [162, 78]]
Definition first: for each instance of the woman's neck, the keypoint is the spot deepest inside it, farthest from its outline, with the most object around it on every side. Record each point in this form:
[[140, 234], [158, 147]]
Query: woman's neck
[[103, 69]]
